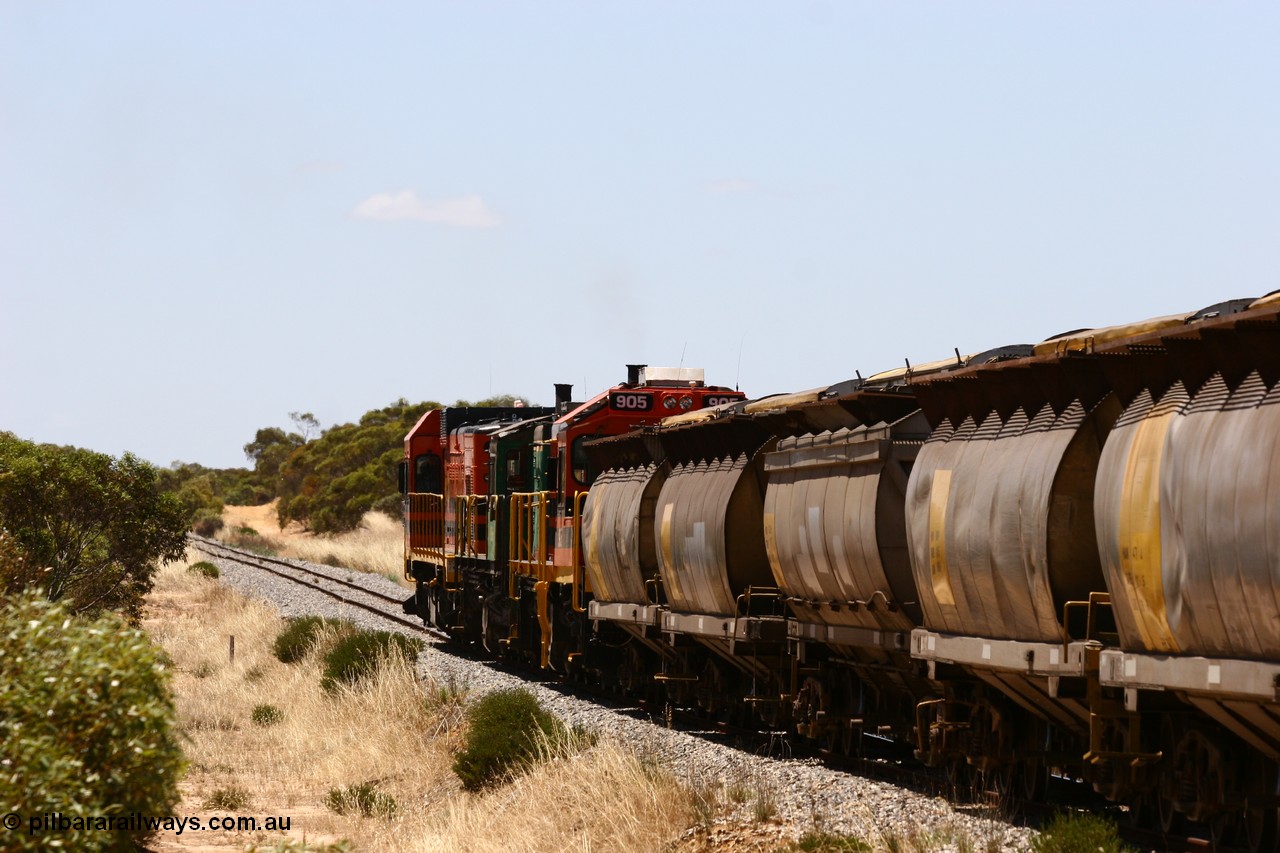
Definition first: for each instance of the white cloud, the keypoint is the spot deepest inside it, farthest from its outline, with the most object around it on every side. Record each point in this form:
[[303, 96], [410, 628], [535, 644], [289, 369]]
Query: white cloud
[[468, 211], [730, 185]]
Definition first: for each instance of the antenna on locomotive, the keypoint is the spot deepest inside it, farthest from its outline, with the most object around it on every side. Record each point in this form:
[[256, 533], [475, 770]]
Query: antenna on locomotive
[[738, 375]]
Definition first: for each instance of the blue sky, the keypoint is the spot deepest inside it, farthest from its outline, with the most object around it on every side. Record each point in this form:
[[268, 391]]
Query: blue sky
[[214, 214]]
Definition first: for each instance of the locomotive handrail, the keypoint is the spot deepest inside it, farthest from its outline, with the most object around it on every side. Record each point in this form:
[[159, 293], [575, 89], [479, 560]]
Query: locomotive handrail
[[462, 507], [527, 555], [467, 510], [575, 559], [426, 524], [520, 544]]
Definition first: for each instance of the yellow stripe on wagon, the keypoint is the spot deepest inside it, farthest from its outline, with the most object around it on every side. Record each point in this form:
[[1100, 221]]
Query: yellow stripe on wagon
[[939, 493], [1139, 532]]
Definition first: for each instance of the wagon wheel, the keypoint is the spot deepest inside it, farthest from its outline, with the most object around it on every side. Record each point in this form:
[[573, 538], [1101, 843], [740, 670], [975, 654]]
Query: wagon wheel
[[851, 739], [1258, 830], [1141, 811], [1169, 819], [1222, 830], [1034, 779], [829, 741], [961, 779]]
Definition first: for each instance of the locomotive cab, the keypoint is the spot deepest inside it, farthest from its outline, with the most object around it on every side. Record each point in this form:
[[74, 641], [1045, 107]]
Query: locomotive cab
[[547, 566]]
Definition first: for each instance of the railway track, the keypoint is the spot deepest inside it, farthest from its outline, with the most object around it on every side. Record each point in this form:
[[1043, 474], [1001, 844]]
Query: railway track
[[299, 574], [883, 768]]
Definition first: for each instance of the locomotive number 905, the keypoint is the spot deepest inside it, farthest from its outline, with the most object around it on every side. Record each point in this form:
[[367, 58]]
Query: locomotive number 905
[[630, 401]]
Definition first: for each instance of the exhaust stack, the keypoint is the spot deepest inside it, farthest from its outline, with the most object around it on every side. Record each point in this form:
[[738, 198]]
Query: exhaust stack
[[564, 396]]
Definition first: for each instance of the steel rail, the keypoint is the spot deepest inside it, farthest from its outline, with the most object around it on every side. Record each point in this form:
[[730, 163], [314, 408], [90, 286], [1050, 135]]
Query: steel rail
[[260, 561]]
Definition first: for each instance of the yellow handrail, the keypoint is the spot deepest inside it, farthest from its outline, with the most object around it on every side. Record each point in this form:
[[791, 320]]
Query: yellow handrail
[[426, 525], [466, 514], [575, 560], [528, 547]]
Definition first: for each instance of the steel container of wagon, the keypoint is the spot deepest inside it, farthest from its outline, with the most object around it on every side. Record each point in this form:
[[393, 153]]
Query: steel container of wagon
[[1188, 519], [709, 533], [834, 525], [618, 532], [1000, 520]]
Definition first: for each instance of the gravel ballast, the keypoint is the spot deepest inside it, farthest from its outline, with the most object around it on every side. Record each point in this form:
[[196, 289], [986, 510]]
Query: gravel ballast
[[803, 792]]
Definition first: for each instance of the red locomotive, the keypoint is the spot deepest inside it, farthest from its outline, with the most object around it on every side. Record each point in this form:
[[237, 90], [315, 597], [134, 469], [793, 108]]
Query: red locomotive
[[493, 533]]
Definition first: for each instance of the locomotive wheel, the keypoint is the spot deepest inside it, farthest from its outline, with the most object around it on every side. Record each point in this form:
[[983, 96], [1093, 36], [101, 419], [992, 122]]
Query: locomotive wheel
[[433, 609]]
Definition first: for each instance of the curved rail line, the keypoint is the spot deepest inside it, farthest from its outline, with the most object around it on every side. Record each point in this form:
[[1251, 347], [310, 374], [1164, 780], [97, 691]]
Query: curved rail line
[[265, 563]]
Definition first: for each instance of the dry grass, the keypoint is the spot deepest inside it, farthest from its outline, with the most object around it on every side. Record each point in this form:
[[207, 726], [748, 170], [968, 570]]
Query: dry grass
[[605, 798], [393, 731], [376, 546]]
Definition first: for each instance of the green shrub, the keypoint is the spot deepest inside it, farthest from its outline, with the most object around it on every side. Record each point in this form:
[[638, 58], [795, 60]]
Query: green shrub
[[816, 841], [266, 715], [204, 567], [299, 636], [1079, 833], [207, 524], [232, 799], [250, 540], [505, 730], [390, 505], [66, 743], [362, 799], [357, 655], [90, 528]]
